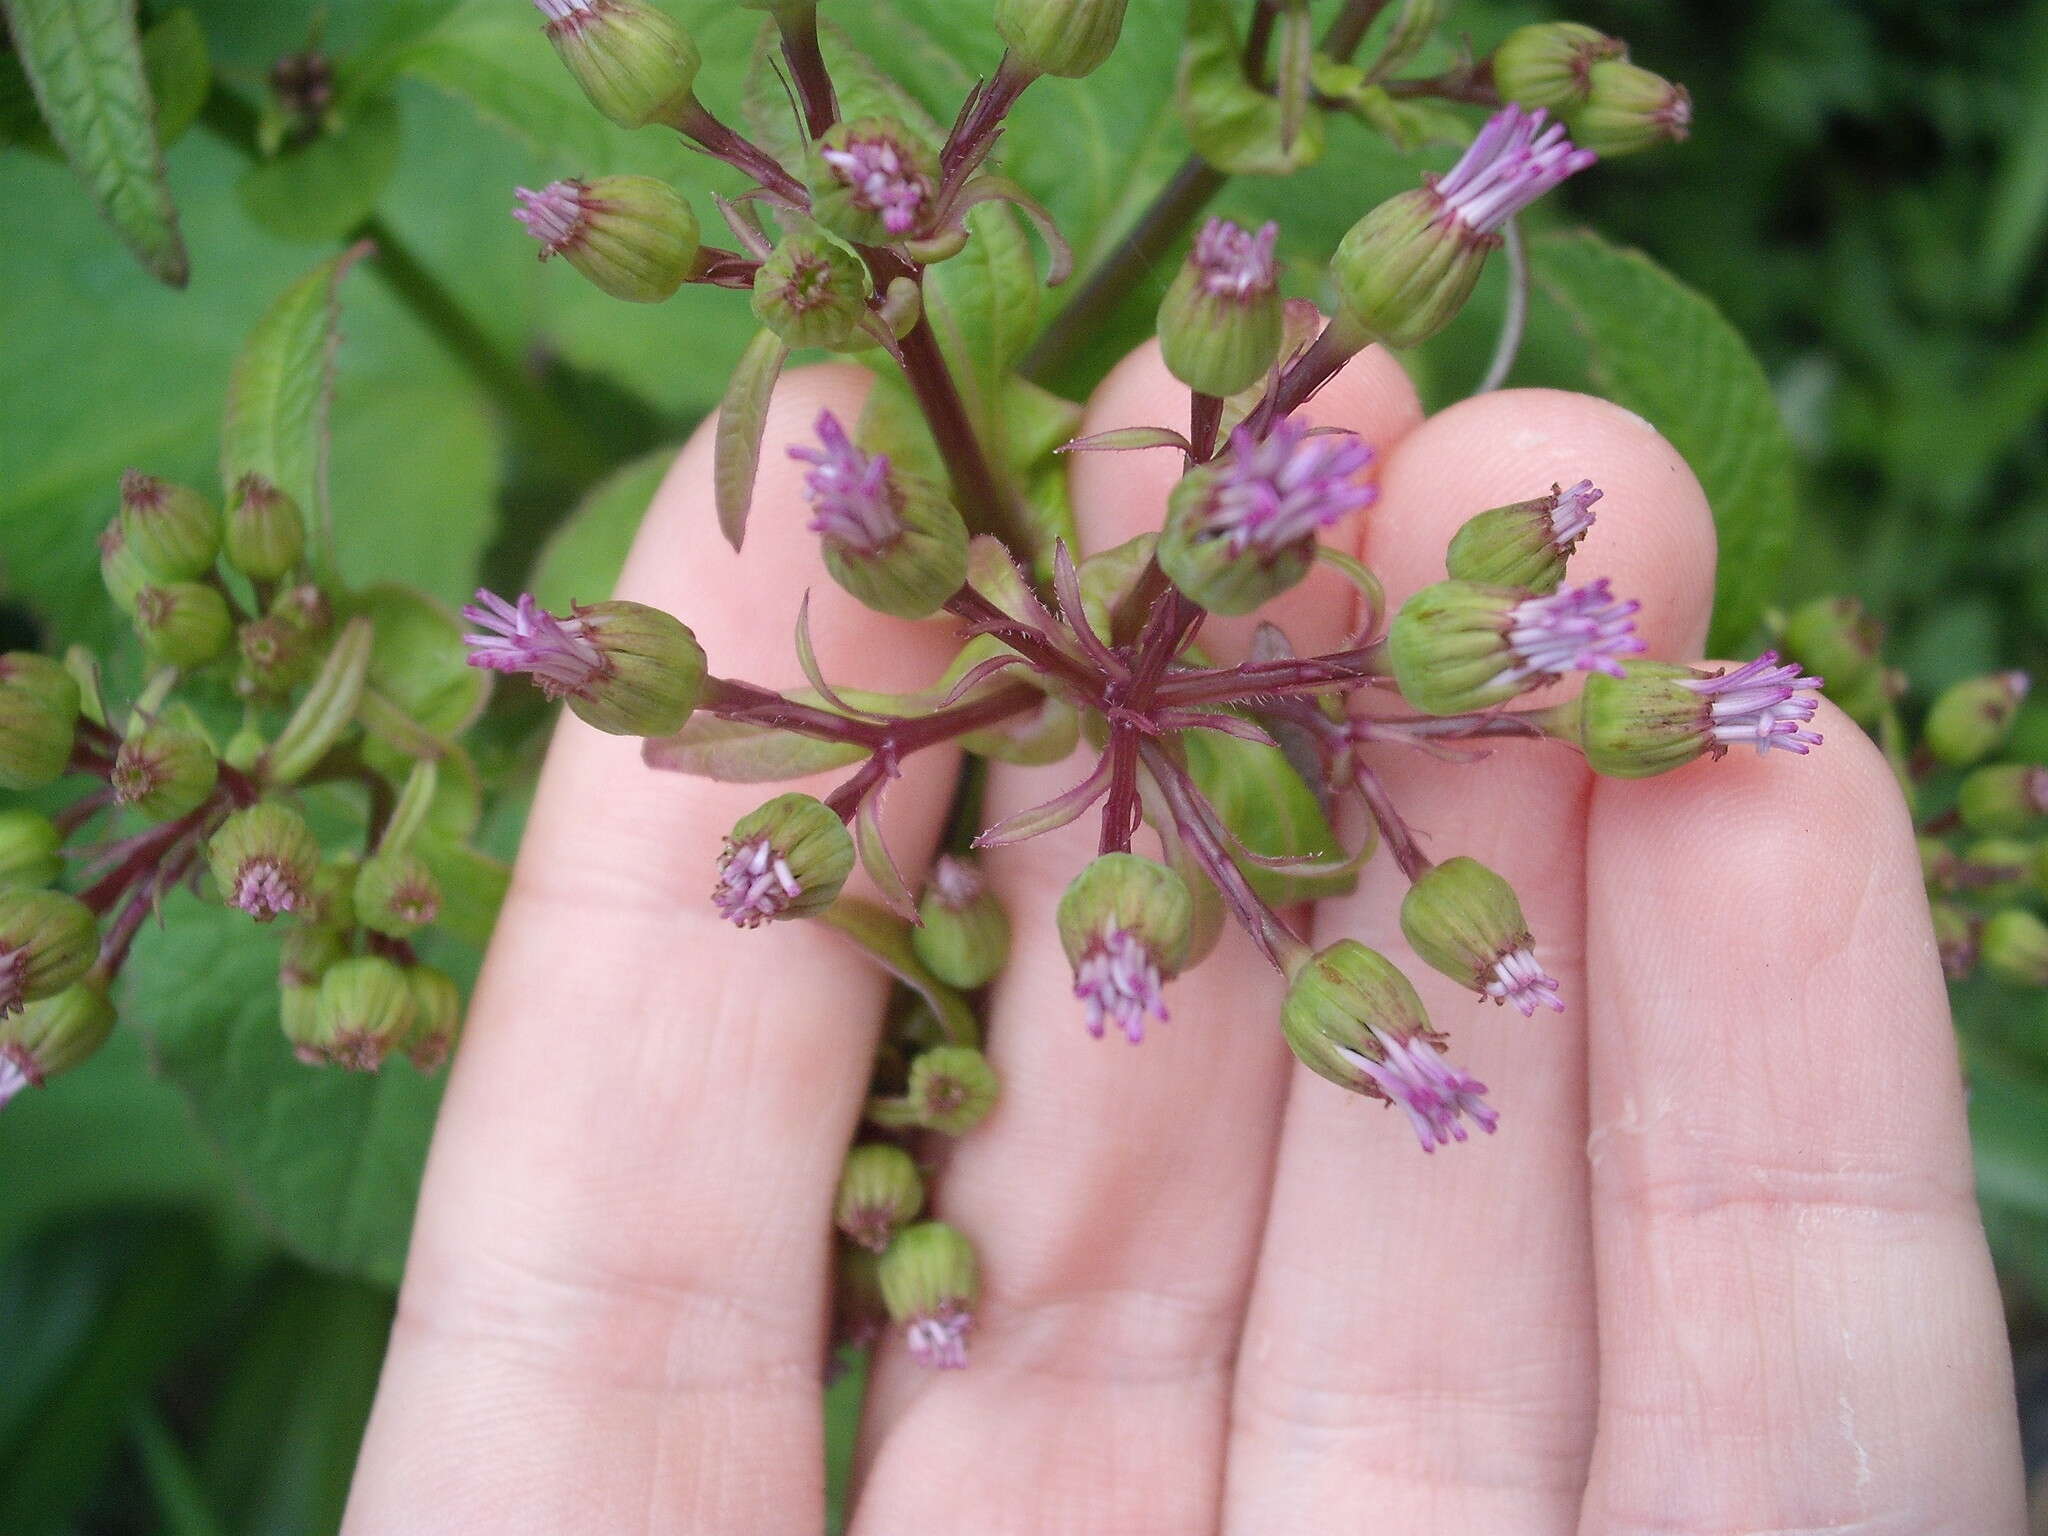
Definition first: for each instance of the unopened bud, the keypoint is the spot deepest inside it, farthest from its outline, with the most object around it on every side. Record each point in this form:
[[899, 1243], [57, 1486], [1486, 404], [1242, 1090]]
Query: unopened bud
[[38, 719], [2009, 797], [298, 1014], [1464, 920], [787, 859], [1459, 646], [264, 533], [182, 623], [52, 1036], [2014, 946], [892, 540], [276, 657], [47, 941], [1526, 544], [396, 894], [1629, 109], [952, 1089], [310, 950], [1972, 719], [963, 934], [1997, 868], [264, 859], [1549, 64], [1219, 324], [364, 1012], [1656, 717], [880, 1192], [164, 771], [1068, 38], [121, 572], [1955, 940], [625, 668], [171, 530], [436, 1016], [1124, 923], [930, 1283], [634, 63], [811, 292], [633, 236], [1408, 266], [29, 843], [1353, 1018], [305, 608], [1835, 637], [872, 181]]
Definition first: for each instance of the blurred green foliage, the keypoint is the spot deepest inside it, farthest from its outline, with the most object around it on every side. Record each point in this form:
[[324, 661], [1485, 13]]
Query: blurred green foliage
[[1866, 197]]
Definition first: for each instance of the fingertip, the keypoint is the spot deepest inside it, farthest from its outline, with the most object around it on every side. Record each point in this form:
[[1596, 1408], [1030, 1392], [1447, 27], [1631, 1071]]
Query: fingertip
[[1653, 532]]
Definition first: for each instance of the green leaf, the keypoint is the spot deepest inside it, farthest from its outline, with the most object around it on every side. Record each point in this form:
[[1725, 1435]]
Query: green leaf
[[1271, 810], [1235, 126], [886, 939], [580, 562], [473, 886], [1665, 352], [319, 191], [180, 73], [736, 441], [418, 663], [330, 1159], [734, 752], [84, 60], [280, 392]]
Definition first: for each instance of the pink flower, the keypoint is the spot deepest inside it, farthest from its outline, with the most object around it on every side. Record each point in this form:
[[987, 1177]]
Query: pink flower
[[264, 888], [1436, 1095], [555, 215], [1761, 702], [527, 638], [853, 501], [1271, 495], [1118, 979], [1571, 514], [1512, 162], [755, 884], [882, 180], [1234, 262], [1576, 629], [938, 1340], [1517, 978]]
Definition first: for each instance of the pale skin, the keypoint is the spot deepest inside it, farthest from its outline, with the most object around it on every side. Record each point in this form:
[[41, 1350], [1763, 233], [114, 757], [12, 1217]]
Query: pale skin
[[1720, 1271]]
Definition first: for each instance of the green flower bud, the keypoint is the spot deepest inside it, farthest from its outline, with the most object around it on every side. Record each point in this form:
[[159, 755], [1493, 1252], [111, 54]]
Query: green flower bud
[[276, 656], [1628, 109], [53, 1035], [787, 859], [365, 1010], [1549, 64], [47, 941], [1404, 272], [963, 934], [1997, 868], [1122, 892], [298, 1014], [1464, 920], [894, 542], [633, 236], [264, 533], [930, 1283], [1336, 1001], [1525, 544], [633, 62], [182, 623], [173, 532], [396, 894], [1642, 724], [1972, 719], [1835, 637], [436, 1016], [2014, 946], [120, 572], [264, 860], [952, 1089], [1068, 38], [310, 951], [38, 717], [871, 181], [1459, 646], [811, 292], [2009, 797], [1220, 322], [29, 843], [879, 1193], [1955, 940], [164, 771], [305, 609]]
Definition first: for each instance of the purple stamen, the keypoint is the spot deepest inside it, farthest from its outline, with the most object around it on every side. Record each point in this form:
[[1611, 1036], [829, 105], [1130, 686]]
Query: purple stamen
[[881, 180], [1271, 495], [1512, 162], [938, 1341], [554, 215], [1519, 979], [1762, 702], [1234, 262], [527, 638], [264, 889], [1434, 1093], [1118, 979], [853, 500], [1577, 629], [1571, 514], [755, 884]]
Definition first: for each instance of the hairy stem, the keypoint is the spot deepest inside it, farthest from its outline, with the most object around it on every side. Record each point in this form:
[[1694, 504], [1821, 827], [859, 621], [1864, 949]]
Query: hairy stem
[[1400, 840], [984, 501], [981, 121], [721, 142]]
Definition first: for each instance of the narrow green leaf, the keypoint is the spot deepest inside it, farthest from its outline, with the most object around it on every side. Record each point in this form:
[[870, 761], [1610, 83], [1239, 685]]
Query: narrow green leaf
[[1233, 125], [328, 707], [1665, 352], [879, 863], [733, 752], [84, 60], [1272, 812], [279, 393], [736, 445]]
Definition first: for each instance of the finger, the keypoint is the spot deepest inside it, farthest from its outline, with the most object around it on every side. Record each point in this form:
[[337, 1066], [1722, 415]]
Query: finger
[[1798, 1322], [1116, 1192], [1420, 1344], [613, 1308]]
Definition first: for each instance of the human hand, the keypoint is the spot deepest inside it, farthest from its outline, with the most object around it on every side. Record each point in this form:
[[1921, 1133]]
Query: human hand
[[1719, 1271]]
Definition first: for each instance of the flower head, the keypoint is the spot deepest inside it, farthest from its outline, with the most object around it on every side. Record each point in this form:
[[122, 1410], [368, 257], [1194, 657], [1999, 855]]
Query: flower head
[[1436, 1096], [755, 883], [264, 888], [881, 177], [938, 1340], [1517, 978], [525, 637], [1235, 262], [1578, 629], [854, 502], [1119, 981], [565, 10], [1514, 160], [1275, 494], [555, 215], [1762, 702], [1571, 514]]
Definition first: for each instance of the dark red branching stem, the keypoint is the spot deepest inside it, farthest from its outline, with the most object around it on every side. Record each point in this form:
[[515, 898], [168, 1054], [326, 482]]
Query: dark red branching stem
[[1471, 83], [740, 152], [1028, 640], [1196, 822], [1400, 840], [845, 801], [1258, 41], [981, 121], [900, 735], [81, 810], [1121, 809], [1308, 373], [1205, 420], [799, 26], [1289, 675], [1349, 27]]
